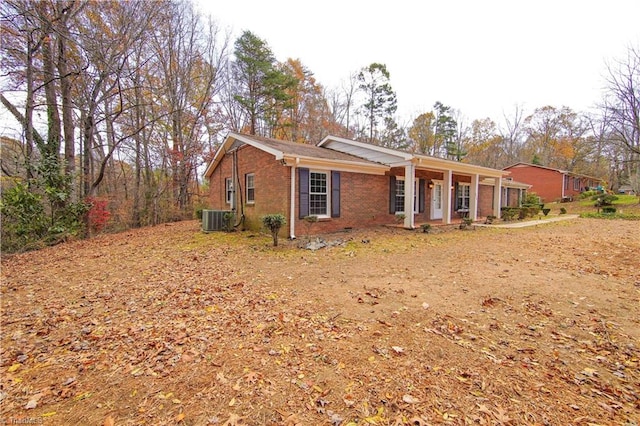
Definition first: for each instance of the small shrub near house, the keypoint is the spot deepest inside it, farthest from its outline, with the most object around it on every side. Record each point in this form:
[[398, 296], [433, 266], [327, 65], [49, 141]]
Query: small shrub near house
[[588, 194], [531, 198], [273, 222], [509, 213], [602, 200], [228, 218], [309, 221], [466, 223]]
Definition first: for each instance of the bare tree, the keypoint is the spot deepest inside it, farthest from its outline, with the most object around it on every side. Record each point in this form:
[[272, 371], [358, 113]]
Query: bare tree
[[622, 100], [621, 108], [189, 58], [512, 135]]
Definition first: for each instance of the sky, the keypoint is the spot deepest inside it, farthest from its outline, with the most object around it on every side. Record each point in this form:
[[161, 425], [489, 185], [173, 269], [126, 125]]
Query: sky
[[483, 58]]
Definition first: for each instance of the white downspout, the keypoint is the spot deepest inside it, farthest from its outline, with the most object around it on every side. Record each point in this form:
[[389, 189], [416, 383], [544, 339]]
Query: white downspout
[[234, 178], [292, 213]]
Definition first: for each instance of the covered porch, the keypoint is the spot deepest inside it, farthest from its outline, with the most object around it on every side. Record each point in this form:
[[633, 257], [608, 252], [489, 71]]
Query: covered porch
[[446, 192], [434, 190]]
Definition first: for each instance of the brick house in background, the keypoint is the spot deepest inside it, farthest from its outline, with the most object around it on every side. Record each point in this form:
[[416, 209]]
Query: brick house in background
[[552, 184], [346, 184]]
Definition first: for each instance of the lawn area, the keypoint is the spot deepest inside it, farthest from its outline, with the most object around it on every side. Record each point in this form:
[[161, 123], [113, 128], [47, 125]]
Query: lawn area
[[630, 202], [168, 325]]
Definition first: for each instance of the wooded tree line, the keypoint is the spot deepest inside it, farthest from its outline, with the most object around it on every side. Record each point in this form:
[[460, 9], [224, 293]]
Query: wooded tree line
[[120, 104]]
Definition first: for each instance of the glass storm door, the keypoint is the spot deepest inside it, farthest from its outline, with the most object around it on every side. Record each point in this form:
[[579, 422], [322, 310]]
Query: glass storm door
[[436, 200]]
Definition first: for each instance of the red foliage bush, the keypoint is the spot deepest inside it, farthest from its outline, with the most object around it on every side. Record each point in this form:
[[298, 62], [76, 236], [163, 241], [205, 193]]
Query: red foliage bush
[[99, 214]]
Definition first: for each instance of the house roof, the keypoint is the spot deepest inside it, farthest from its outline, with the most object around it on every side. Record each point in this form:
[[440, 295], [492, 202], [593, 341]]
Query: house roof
[[510, 183], [393, 157], [345, 154], [564, 172], [292, 151]]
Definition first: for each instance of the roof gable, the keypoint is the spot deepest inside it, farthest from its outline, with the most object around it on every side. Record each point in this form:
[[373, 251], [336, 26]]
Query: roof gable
[[393, 157], [523, 164], [376, 153], [284, 150], [345, 154], [564, 172]]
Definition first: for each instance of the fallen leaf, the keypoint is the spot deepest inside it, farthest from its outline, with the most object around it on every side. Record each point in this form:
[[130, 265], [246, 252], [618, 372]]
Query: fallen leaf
[[501, 416], [234, 420], [410, 399], [109, 421], [348, 400]]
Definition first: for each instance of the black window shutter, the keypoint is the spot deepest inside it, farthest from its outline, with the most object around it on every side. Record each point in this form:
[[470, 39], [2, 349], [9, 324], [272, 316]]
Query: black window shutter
[[421, 196], [335, 194], [303, 186], [456, 194], [392, 194]]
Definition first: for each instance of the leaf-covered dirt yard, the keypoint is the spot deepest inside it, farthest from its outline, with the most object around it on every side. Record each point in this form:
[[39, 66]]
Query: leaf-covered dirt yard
[[169, 325]]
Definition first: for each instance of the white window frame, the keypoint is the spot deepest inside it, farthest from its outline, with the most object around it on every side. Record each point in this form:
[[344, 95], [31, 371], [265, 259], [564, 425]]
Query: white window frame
[[461, 196], [576, 183], [416, 188], [250, 177], [228, 187], [327, 193]]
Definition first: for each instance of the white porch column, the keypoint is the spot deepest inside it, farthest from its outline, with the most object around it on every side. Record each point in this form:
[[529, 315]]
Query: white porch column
[[292, 213], [409, 195], [473, 198], [446, 197], [497, 197]]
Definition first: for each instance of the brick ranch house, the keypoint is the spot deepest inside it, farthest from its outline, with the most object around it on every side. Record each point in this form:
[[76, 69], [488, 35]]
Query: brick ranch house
[[552, 184], [347, 184]]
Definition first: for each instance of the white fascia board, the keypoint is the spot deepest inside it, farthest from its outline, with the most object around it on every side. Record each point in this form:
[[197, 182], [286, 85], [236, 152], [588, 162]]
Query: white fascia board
[[256, 144], [229, 140], [222, 149], [327, 140], [457, 167], [337, 165], [400, 163]]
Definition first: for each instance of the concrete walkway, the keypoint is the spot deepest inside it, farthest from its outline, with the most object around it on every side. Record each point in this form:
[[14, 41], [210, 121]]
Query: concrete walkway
[[530, 222]]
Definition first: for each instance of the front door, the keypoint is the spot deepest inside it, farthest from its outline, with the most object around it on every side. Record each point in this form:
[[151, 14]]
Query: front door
[[436, 200]]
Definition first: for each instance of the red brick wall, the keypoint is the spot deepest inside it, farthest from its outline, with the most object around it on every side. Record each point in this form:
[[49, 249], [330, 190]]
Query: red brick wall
[[583, 184], [272, 195], [217, 185], [364, 202], [364, 199], [485, 200], [511, 198], [271, 184], [545, 183]]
